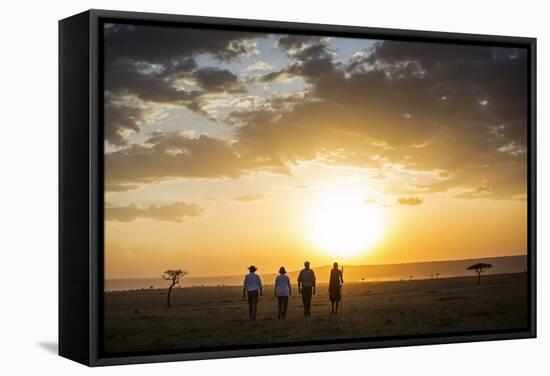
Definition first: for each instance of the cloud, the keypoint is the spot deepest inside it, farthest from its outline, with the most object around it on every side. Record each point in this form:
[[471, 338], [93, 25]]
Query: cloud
[[512, 148], [295, 44], [465, 106], [148, 63], [259, 65], [410, 201], [126, 79], [313, 58], [160, 44], [175, 212], [169, 155], [358, 107], [122, 120], [477, 192], [251, 197], [217, 80]]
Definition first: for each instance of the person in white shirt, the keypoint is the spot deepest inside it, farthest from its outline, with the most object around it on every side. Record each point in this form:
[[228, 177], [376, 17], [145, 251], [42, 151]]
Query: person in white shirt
[[252, 286], [282, 292]]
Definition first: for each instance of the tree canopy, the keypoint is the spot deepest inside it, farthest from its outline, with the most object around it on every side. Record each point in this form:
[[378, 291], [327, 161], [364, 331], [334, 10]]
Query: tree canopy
[[173, 275], [480, 267]]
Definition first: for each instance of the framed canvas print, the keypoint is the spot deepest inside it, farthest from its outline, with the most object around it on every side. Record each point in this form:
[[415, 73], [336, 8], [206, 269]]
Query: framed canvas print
[[239, 187]]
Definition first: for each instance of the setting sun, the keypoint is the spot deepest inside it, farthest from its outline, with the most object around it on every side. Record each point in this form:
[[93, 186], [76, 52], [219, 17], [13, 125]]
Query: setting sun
[[341, 222]]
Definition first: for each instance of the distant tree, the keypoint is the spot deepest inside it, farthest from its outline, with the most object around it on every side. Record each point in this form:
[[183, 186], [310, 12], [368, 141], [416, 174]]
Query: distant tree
[[173, 276], [410, 278], [479, 268], [437, 275]]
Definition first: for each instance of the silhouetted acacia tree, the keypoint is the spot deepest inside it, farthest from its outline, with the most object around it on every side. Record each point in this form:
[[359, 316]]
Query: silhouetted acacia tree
[[479, 268], [174, 277]]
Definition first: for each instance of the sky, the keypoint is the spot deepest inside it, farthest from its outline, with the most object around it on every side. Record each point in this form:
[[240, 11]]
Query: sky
[[225, 149]]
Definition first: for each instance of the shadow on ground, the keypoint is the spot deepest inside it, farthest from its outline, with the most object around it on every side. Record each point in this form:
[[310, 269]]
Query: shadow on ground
[[50, 347]]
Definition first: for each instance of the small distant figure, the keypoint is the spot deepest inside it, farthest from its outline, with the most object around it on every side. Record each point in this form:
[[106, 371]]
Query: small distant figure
[[335, 287], [282, 291], [252, 286], [306, 287]]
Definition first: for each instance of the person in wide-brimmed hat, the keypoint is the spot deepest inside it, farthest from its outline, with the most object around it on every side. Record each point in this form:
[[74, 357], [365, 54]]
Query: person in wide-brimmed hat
[[252, 286], [282, 292]]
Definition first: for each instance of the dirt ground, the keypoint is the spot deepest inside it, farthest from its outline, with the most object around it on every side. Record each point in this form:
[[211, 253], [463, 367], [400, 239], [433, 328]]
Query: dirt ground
[[202, 317]]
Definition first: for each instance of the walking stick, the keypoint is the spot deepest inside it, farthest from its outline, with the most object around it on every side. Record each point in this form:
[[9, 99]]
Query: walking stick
[[342, 290]]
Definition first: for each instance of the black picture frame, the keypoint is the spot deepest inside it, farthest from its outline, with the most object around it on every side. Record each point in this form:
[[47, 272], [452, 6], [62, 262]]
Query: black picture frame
[[81, 184]]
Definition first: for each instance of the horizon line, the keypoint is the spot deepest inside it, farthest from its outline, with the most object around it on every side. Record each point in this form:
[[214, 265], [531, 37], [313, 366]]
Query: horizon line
[[325, 265]]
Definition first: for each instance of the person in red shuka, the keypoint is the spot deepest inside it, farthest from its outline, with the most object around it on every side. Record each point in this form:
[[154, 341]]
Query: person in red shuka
[[335, 287]]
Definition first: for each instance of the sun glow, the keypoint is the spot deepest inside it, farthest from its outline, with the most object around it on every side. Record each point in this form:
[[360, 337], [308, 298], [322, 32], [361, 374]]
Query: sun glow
[[341, 222]]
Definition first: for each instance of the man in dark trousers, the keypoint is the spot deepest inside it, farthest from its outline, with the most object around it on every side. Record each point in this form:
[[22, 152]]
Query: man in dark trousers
[[306, 287]]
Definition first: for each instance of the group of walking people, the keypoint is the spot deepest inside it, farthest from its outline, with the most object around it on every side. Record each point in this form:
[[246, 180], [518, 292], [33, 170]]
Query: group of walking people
[[253, 289]]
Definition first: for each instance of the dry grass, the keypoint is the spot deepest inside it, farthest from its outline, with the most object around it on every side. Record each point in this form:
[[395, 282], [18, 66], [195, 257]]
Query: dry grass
[[217, 316]]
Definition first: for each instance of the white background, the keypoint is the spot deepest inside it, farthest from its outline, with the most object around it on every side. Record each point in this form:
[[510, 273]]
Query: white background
[[28, 208]]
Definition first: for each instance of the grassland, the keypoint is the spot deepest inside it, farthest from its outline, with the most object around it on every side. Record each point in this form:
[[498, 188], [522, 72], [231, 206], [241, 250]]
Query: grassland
[[203, 317]]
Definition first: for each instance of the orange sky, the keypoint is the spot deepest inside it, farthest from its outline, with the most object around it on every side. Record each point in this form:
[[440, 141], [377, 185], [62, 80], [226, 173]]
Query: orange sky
[[272, 228], [225, 149]]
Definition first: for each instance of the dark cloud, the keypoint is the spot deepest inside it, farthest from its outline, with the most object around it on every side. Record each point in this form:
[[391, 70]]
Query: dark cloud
[[292, 44], [121, 119], [169, 155], [123, 78], [314, 59], [429, 54], [457, 109], [162, 45], [410, 201], [172, 155], [216, 80], [174, 212], [146, 62]]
